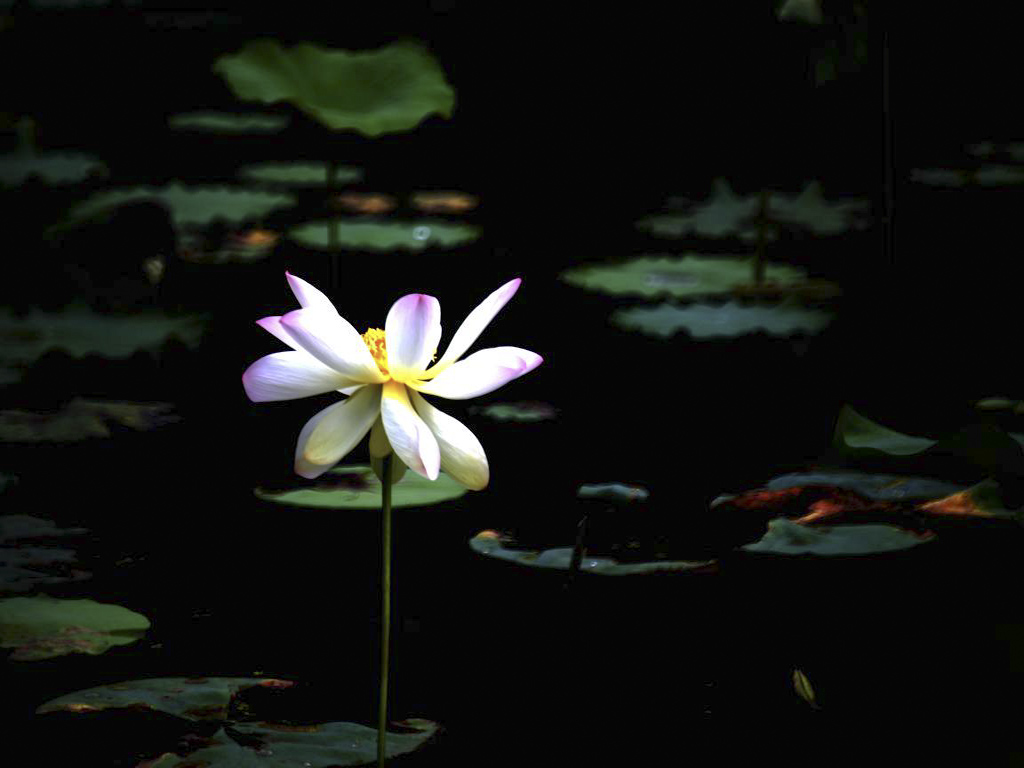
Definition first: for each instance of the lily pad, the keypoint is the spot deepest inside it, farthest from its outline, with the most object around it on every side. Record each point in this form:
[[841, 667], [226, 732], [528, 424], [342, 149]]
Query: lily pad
[[190, 698], [984, 500], [518, 412], [705, 321], [326, 745], [723, 214], [389, 90], [299, 174], [788, 538], [809, 210], [22, 567], [492, 544], [384, 236], [52, 168], [684, 277], [190, 206], [228, 123], [857, 434], [80, 331], [441, 201], [82, 420], [983, 176], [356, 487], [872, 486], [45, 627]]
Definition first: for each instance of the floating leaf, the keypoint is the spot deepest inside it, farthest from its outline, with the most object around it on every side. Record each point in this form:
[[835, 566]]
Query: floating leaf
[[491, 544], [228, 123], [44, 627], [21, 527], [704, 321], [520, 412], [785, 537], [82, 420], [687, 276], [999, 404], [384, 236], [809, 210], [807, 11], [984, 176], [190, 206], [52, 168], [326, 745], [356, 487], [299, 174], [613, 492], [804, 689], [858, 434], [871, 486], [190, 698], [984, 500], [27, 567], [389, 90], [724, 214], [438, 201]]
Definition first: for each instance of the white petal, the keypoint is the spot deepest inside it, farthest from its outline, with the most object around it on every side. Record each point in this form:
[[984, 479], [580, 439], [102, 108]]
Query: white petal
[[335, 431], [480, 373], [475, 323], [289, 376], [334, 342], [272, 325], [412, 330], [409, 436], [307, 295], [462, 456]]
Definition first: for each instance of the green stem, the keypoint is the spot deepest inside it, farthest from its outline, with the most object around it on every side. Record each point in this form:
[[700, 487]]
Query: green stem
[[578, 548], [385, 609]]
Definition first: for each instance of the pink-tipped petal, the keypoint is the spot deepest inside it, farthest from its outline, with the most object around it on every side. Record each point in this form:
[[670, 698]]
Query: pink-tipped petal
[[410, 437], [334, 342], [480, 373], [475, 323], [289, 376], [462, 456], [272, 325], [336, 430], [308, 295], [412, 330]]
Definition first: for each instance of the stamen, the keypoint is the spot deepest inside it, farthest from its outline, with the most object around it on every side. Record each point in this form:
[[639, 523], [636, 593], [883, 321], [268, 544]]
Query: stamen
[[377, 344]]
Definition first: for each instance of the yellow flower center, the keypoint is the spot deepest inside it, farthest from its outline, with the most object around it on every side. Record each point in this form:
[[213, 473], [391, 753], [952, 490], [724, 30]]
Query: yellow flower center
[[376, 343]]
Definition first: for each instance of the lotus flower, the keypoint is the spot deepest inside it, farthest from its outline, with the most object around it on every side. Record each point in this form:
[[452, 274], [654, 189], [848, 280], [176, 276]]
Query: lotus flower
[[385, 373]]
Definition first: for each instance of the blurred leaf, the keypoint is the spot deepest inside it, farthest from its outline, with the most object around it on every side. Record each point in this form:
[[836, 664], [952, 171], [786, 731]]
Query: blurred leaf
[[356, 487], [440, 201], [807, 11], [384, 236], [516, 412], [803, 688], [389, 90], [299, 174], [858, 434], [44, 627], [688, 276], [81, 420], [52, 168], [869, 485], [987, 499], [787, 538], [704, 321], [982, 176], [613, 492], [190, 698], [491, 544], [228, 123]]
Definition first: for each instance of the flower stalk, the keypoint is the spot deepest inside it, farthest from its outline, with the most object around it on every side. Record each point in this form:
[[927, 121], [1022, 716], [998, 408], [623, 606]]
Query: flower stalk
[[385, 608]]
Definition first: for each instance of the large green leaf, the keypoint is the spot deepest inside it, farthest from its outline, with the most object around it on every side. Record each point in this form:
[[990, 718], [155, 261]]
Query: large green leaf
[[356, 487], [298, 174], [384, 235], [190, 206], [326, 745], [688, 276], [228, 123], [857, 434], [44, 627], [389, 90], [706, 321], [785, 537], [190, 698], [493, 545]]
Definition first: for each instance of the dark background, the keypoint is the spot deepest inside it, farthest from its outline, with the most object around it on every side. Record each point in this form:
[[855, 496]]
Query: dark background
[[569, 125]]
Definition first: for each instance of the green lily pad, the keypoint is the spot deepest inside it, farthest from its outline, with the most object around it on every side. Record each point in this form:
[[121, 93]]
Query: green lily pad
[[491, 544], [22, 567], [228, 123], [22, 527], [384, 235], [872, 486], [190, 698], [615, 493], [704, 321], [806, 11], [809, 210], [983, 176], [80, 331], [788, 538], [190, 206], [517, 412], [52, 168], [389, 90], [304, 174], [684, 277], [984, 500], [857, 434], [999, 404], [44, 627], [356, 487], [82, 420], [326, 745]]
